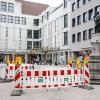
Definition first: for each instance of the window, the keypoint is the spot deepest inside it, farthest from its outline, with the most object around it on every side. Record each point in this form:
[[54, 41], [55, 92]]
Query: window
[[73, 38], [29, 34], [19, 44], [65, 38], [3, 18], [65, 3], [20, 33], [73, 6], [84, 2], [78, 3], [29, 45], [36, 22], [23, 21], [79, 20], [84, 17], [90, 33], [47, 15], [3, 6], [73, 22], [40, 33], [6, 31], [42, 19], [10, 7], [36, 34], [85, 35], [79, 36], [55, 25], [55, 40], [36, 44], [90, 14], [97, 9], [17, 20], [65, 20], [10, 19]]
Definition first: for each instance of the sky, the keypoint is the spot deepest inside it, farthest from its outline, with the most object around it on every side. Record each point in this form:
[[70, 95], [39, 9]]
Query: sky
[[53, 3]]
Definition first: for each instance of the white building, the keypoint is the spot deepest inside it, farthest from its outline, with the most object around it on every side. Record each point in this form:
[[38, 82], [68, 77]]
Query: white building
[[19, 30], [65, 30], [69, 28]]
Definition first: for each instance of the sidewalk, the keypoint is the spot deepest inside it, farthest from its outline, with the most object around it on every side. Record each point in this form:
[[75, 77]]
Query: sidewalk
[[70, 93]]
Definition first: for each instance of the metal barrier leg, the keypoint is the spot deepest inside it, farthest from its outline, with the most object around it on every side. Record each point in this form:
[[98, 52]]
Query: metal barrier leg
[[17, 93]]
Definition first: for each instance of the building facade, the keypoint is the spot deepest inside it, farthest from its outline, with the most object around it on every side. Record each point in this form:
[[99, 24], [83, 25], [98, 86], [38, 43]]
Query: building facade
[[19, 28], [65, 31], [69, 29]]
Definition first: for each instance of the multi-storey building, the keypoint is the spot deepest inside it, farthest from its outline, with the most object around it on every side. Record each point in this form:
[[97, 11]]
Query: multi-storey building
[[19, 29], [66, 30], [82, 24], [70, 28]]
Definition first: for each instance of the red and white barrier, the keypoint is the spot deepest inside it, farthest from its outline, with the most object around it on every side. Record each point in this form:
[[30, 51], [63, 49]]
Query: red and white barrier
[[86, 74], [48, 78], [10, 71], [17, 76]]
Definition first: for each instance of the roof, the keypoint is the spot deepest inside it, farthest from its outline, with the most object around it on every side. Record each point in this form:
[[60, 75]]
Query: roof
[[32, 8]]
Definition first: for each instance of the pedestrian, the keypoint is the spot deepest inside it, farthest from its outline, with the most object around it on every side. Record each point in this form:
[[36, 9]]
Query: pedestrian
[[55, 63]]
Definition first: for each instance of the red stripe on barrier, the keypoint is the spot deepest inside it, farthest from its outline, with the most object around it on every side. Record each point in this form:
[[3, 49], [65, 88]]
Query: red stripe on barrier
[[55, 72], [26, 67], [11, 68], [81, 71], [62, 84], [49, 85], [28, 73], [56, 85], [36, 86], [17, 66], [36, 73], [17, 76], [43, 86], [70, 84], [28, 86], [69, 72], [86, 73], [18, 86], [86, 81], [43, 73], [76, 83], [75, 71], [62, 72], [6, 70], [86, 65], [48, 73]]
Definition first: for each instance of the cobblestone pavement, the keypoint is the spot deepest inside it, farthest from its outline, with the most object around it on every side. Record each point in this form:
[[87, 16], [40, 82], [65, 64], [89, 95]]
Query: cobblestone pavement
[[70, 93]]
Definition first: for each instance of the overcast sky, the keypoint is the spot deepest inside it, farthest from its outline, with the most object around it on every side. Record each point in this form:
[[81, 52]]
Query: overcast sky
[[53, 3]]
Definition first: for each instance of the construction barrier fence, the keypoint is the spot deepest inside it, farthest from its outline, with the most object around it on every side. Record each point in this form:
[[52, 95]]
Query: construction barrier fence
[[28, 78]]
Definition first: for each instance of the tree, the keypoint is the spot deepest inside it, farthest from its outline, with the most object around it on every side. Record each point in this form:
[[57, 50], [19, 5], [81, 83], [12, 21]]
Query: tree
[[43, 50]]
